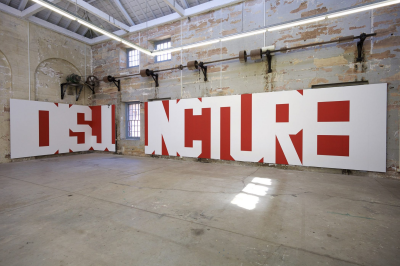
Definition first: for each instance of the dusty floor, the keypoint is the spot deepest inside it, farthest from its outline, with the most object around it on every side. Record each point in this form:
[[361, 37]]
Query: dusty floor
[[98, 209]]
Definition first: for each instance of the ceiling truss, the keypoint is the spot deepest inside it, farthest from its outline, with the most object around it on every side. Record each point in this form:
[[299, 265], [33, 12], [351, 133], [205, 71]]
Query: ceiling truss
[[117, 16]]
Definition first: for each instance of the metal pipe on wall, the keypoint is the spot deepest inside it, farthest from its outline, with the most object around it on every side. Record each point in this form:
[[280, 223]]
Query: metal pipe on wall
[[282, 50]]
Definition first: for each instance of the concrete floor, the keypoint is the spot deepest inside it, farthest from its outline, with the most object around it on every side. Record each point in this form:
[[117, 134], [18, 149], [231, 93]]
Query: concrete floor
[[98, 209]]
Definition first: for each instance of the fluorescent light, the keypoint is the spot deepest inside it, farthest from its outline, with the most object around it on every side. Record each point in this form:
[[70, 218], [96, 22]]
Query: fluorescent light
[[109, 34], [166, 51], [55, 9], [137, 47], [364, 8], [242, 35], [297, 23], [200, 44]]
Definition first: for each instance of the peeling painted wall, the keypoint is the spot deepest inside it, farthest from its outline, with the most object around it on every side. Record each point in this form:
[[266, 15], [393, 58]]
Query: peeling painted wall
[[52, 57], [298, 69]]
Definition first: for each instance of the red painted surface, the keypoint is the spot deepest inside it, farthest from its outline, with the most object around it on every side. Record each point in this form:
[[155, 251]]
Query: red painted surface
[[262, 160], [280, 157], [225, 134], [96, 122], [300, 91], [201, 100], [282, 113], [44, 128], [70, 150], [57, 152], [146, 124], [70, 105], [166, 108], [164, 150], [91, 149], [177, 100], [106, 149], [113, 124], [80, 136], [177, 154], [297, 141], [56, 104], [333, 145], [338, 111], [154, 153], [246, 122], [81, 120], [198, 127]]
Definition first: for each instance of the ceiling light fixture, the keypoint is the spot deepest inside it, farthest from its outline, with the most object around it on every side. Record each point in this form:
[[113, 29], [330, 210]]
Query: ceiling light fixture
[[237, 36], [171, 50], [91, 26], [364, 8], [200, 44], [297, 23], [55, 9]]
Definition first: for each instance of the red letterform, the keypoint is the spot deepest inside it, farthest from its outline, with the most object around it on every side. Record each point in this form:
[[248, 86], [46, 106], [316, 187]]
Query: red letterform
[[338, 111], [166, 108], [80, 136], [164, 150], [280, 157], [96, 122], [225, 142], [113, 124], [146, 124], [333, 145], [199, 128], [246, 122], [44, 128], [282, 113], [297, 141]]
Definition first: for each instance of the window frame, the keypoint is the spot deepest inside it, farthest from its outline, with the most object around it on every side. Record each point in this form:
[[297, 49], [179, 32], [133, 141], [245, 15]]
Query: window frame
[[127, 136], [127, 57], [155, 48]]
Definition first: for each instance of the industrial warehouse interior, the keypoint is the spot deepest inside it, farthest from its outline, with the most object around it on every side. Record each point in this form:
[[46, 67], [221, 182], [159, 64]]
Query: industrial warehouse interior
[[199, 132]]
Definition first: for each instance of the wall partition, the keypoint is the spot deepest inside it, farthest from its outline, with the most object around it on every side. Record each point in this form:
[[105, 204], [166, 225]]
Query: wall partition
[[341, 127]]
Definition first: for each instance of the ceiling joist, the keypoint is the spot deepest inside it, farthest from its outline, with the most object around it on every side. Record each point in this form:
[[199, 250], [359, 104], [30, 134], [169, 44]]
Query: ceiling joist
[[32, 10], [123, 11], [100, 14], [176, 7]]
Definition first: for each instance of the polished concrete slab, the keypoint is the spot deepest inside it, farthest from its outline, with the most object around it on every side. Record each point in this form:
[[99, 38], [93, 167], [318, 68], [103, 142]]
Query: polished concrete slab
[[104, 209]]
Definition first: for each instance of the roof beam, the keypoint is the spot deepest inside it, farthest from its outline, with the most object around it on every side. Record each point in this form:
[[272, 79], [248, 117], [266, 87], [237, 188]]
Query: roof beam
[[123, 11], [133, 11], [212, 5], [174, 5], [32, 10], [185, 4], [10, 10], [22, 4], [100, 14], [147, 3], [141, 9], [160, 8], [191, 11], [58, 29]]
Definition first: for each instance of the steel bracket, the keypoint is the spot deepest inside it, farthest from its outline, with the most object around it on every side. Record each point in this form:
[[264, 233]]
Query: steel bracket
[[155, 77], [117, 84], [78, 89], [204, 70], [63, 90], [360, 44], [90, 87], [269, 58], [78, 93]]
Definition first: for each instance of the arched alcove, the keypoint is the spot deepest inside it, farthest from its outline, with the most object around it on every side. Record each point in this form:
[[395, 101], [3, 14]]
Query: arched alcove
[[49, 75], [5, 77], [5, 95]]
